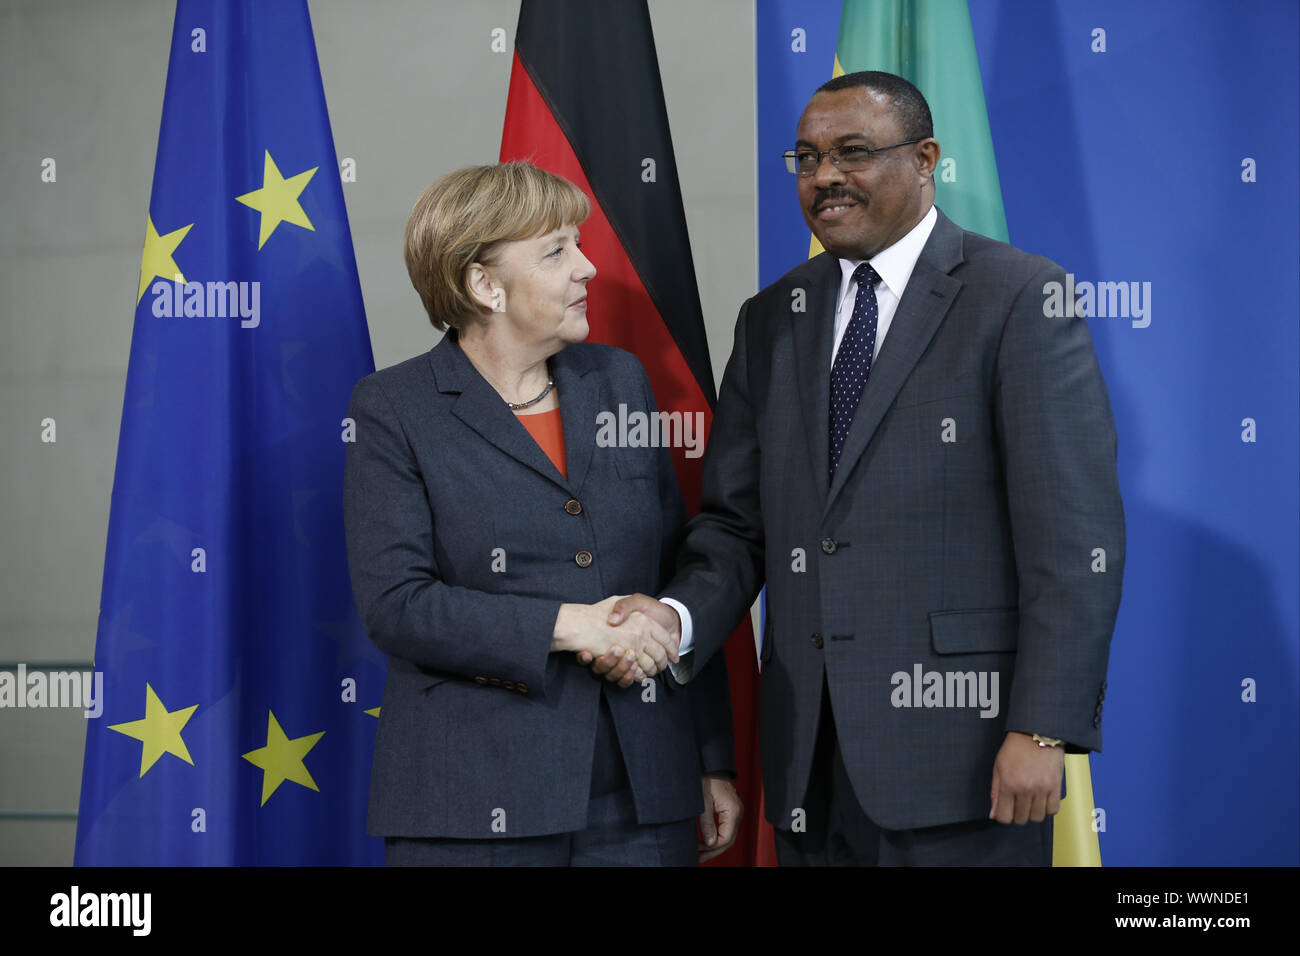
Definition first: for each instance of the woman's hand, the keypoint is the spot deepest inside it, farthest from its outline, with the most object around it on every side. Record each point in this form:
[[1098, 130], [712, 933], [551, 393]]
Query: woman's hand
[[583, 629]]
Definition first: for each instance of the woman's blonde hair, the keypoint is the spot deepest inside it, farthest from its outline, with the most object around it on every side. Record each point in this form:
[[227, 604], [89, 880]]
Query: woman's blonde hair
[[465, 215]]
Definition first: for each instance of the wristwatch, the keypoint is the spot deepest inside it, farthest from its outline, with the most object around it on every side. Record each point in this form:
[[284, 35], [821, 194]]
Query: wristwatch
[[1047, 741]]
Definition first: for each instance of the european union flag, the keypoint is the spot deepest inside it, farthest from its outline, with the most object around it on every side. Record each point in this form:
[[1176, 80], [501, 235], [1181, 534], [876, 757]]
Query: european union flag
[[237, 676]]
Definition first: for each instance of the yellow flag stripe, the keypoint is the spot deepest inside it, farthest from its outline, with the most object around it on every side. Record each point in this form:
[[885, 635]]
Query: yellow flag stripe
[[1074, 839]]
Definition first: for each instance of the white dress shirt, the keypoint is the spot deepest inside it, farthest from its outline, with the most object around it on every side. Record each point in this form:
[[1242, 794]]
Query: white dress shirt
[[894, 266]]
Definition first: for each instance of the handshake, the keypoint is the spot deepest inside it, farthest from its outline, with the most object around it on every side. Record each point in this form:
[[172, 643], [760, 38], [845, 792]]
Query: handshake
[[625, 638]]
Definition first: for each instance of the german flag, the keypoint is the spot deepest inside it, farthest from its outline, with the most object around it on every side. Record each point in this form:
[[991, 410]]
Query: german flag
[[586, 103]]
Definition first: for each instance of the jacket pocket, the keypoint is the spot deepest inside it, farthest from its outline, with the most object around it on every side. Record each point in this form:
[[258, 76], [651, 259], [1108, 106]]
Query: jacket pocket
[[635, 466], [925, 392], [430, 680], [979, 631]]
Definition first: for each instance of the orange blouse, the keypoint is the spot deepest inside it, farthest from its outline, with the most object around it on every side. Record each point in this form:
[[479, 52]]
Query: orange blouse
[[548, 431]]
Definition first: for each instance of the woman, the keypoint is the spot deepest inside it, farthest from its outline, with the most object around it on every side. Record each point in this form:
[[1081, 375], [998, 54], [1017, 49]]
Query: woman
[[486, 531]]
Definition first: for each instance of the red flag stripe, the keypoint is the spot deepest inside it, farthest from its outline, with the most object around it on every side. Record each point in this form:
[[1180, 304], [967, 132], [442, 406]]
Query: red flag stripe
[[619, 309]]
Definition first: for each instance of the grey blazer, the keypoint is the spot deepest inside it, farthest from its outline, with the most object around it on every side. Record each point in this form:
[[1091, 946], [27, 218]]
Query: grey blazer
[[463, 542], [961, 542]]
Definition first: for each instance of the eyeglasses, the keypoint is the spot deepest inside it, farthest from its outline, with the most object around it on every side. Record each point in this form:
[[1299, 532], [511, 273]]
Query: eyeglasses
[[805, 162]]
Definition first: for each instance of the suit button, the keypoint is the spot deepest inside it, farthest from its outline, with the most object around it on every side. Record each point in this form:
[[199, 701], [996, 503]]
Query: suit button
[[494, 681], [573, 506], [817, 640], [582, 559], [521, 687], [480, 680], [508, 684], [828, 545], [1096, 721]]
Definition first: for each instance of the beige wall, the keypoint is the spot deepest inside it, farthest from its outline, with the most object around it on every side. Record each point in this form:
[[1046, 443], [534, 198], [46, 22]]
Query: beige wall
[[413, 90]]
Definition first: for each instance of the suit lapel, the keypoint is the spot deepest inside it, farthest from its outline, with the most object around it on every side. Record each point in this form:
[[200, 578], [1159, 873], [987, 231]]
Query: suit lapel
[[480, 407], [578, 398], [813, 329], [926, 300]]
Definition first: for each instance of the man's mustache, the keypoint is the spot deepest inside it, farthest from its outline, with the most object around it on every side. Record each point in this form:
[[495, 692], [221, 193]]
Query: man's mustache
[[832, 196]]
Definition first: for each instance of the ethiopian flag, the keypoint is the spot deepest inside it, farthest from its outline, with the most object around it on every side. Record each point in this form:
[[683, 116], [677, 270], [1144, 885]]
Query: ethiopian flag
[[930, 43]]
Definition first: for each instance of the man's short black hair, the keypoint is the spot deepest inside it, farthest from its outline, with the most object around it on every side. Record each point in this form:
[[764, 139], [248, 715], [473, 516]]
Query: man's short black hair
[[905, 100]]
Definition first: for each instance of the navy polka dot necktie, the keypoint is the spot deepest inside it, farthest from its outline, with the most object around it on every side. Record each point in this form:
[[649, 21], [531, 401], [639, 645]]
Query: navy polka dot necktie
[[853, 360]]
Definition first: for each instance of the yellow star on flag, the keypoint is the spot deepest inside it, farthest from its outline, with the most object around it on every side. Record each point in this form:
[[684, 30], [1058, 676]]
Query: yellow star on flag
[[277, 200], [159, 731], [373, 712], [281, 759], [157, 261]]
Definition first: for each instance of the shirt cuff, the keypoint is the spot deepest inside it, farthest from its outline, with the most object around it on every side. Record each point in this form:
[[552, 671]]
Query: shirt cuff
[[684, 670], [688, 631]]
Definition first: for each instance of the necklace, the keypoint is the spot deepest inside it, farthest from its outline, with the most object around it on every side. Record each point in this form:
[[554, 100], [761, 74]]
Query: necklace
[[550, 384]]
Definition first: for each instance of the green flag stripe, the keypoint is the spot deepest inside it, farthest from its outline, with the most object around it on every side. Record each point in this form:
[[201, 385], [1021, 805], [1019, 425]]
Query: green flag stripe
[[930, 42]]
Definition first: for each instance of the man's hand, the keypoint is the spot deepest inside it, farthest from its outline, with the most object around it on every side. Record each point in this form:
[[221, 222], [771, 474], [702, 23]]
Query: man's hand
[[1026, 780], [720, 799], [640, 648], [621, 668], [659, 612]]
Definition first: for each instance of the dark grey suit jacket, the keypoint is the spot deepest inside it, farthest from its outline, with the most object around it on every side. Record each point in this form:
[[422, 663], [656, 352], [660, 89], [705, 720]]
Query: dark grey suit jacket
[[962, 535], [462, 550]]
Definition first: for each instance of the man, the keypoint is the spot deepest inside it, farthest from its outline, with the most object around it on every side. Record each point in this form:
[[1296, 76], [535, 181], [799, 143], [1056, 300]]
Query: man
[[921, 466]]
